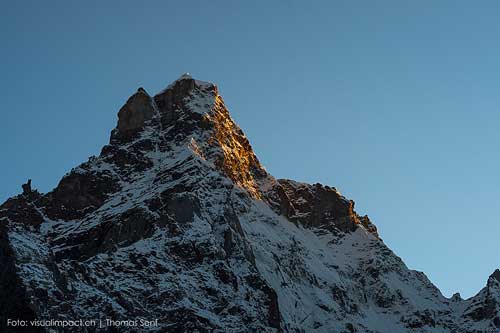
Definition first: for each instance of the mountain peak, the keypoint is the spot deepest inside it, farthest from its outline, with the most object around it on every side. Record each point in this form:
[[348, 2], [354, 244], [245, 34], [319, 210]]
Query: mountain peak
[[188, 113], [133, 115], [185, 76], [177, 219], [194, 110], [170, 104], [189, 81], [495, 275]]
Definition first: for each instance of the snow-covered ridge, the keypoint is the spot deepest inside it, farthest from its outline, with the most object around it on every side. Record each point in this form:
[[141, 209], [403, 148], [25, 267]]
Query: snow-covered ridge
[[187, 76], [177, 219]]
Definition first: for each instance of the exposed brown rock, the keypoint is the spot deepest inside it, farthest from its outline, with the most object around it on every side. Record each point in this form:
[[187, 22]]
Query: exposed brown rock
[[135, 113], [316, 205], [172, 99], [238, 160]]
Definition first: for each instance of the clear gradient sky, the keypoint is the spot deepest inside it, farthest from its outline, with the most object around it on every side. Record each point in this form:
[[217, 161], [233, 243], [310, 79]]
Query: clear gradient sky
[[395, 103]]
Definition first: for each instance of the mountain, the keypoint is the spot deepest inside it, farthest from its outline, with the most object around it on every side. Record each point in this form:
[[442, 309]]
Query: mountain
[[177, 220]]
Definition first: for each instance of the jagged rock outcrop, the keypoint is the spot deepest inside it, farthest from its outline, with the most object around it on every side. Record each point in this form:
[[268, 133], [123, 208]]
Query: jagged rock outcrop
[[320, 206], [134, 114], [484, 308], [177, 220], [27, 187]]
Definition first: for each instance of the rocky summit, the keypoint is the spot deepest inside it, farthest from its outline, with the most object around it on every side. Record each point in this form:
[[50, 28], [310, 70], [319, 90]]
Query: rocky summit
[[177, 221]]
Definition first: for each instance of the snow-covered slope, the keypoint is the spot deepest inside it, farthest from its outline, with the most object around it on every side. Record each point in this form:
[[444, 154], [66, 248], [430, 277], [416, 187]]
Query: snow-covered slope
[[177, 220]]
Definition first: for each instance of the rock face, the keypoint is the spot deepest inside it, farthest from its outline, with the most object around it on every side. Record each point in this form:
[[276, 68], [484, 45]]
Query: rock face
[[134, 114], [177, 220]]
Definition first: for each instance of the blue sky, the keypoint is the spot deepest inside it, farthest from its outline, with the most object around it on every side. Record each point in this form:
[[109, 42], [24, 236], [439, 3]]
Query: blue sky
[[394, 103]]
